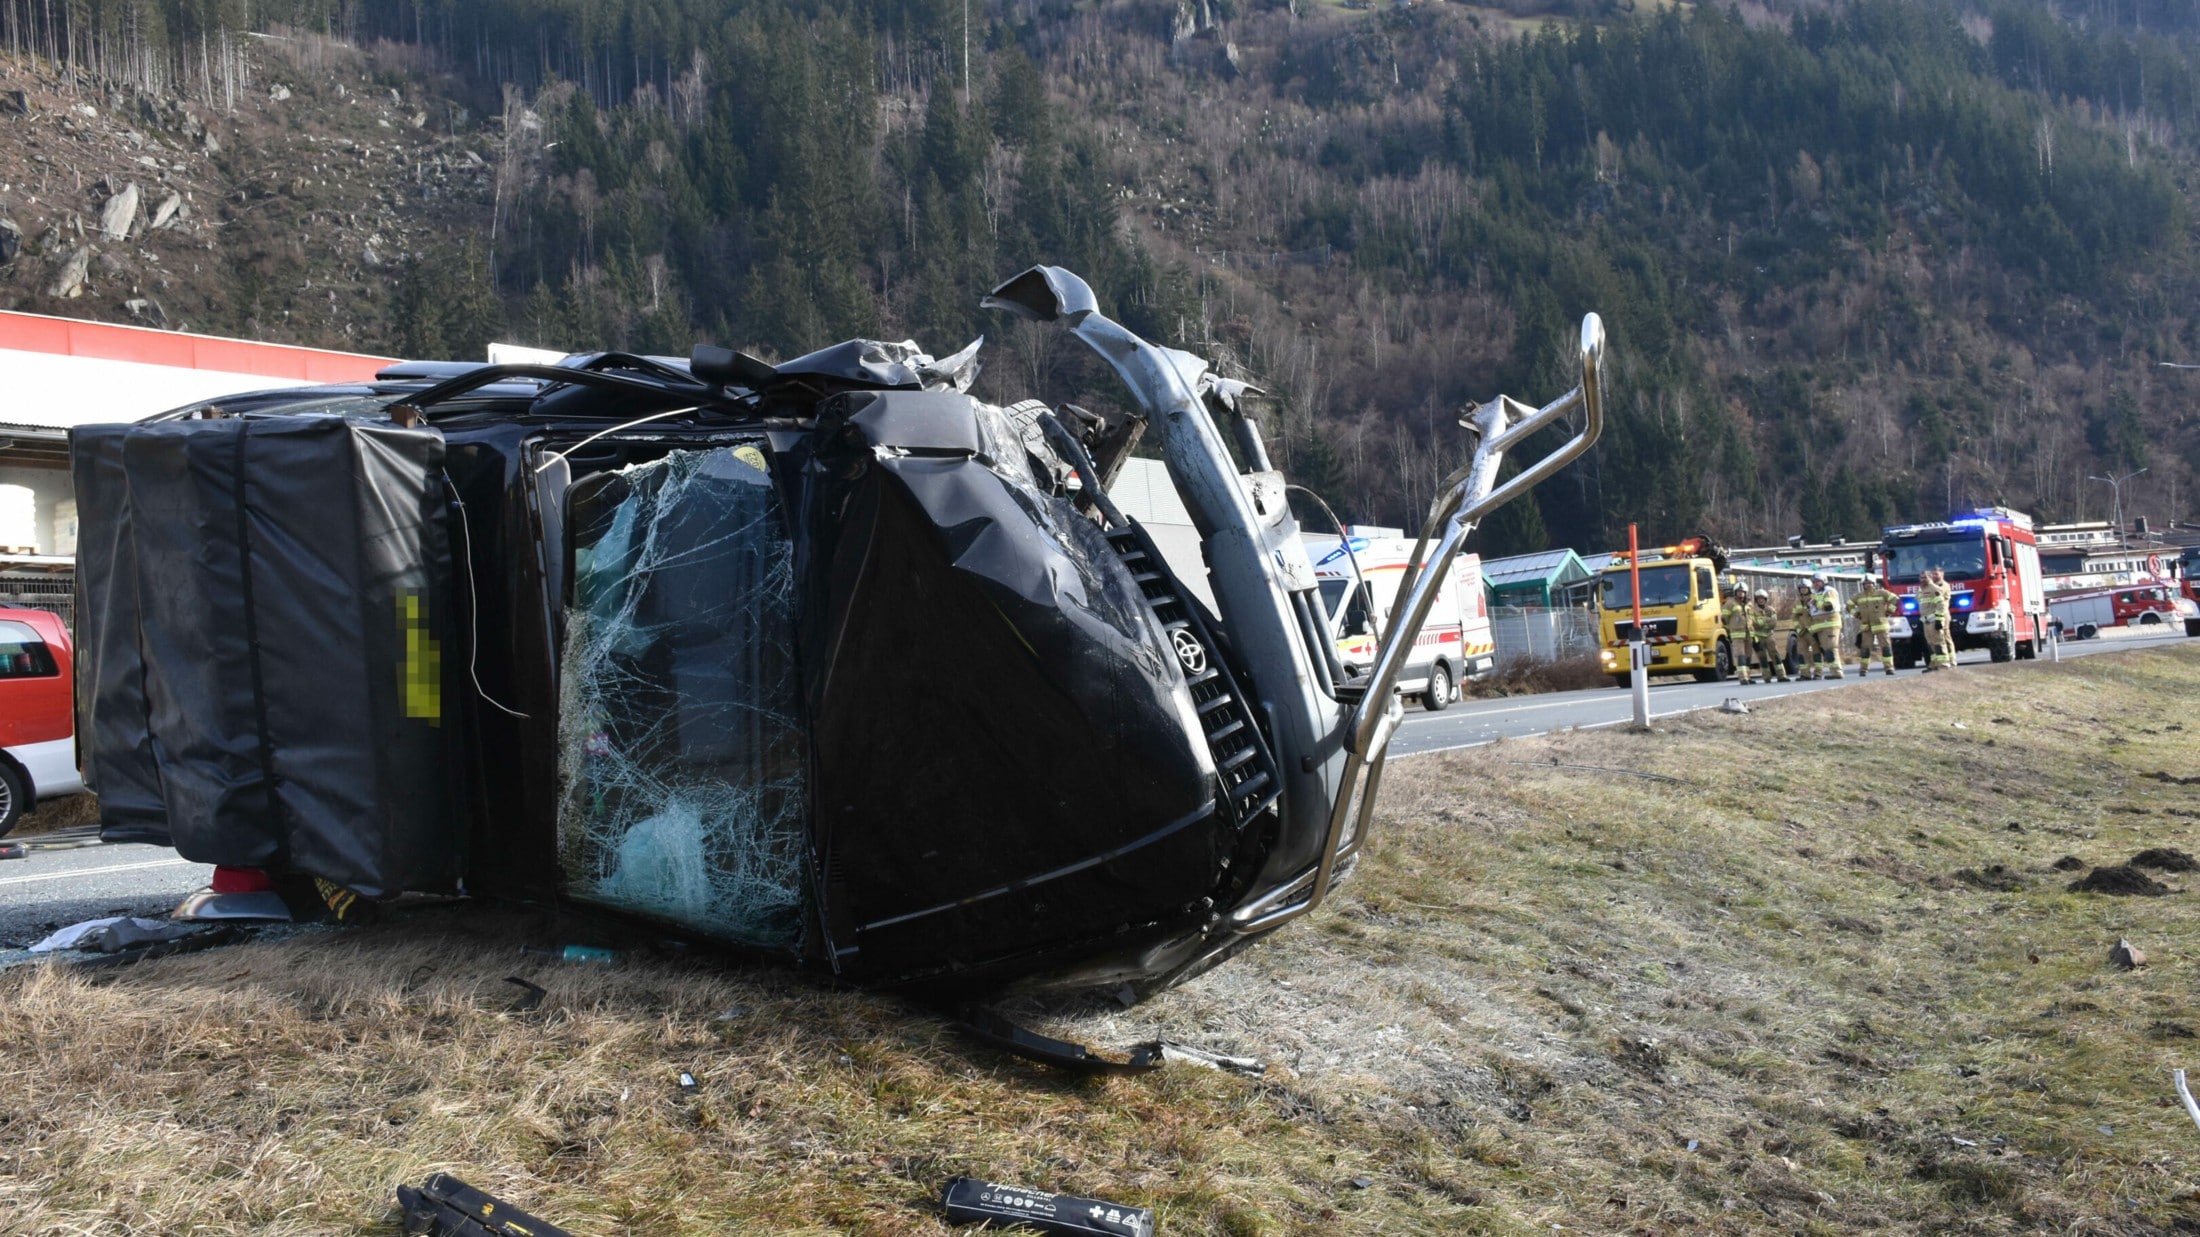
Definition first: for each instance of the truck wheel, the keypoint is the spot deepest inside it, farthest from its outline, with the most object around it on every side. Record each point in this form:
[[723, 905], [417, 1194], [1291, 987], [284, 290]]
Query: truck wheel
[[2192, 627], [1905, 655], [15, 797], [2149, 619], [2002, 647], [2028, 650], [1438, 697]]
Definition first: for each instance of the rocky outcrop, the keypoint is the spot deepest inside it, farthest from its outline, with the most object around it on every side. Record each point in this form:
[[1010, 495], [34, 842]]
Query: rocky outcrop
[[119, 215]]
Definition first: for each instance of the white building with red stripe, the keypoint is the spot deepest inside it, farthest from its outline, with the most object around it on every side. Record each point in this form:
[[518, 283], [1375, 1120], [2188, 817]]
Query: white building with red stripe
[[61, 372]]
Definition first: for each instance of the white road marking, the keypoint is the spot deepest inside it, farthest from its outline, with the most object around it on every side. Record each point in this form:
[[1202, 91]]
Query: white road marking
[[1618, 721], [119, 867]]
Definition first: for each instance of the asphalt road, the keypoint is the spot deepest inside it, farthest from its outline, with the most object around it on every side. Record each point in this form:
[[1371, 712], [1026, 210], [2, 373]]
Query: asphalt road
[[53, 888], [1471, 723]]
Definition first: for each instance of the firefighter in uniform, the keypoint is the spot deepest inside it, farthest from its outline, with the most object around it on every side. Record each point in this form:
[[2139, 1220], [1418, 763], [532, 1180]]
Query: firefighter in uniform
[[1932, 610], [1871, 609], [1806, 650], [1735, 616], [1825, 624], [1762, 621]]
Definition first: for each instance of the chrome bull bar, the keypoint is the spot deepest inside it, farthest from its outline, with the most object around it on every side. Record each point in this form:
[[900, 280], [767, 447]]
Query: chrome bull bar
[[1469, 495]]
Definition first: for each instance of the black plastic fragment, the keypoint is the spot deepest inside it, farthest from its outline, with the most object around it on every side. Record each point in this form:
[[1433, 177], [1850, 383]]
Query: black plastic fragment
[[161, 949], [444, 1206], [991, 1028], [972, 1201], [530, 996]]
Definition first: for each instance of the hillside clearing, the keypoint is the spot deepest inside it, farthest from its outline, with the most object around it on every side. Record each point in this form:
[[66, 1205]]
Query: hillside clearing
[[1831, 979]]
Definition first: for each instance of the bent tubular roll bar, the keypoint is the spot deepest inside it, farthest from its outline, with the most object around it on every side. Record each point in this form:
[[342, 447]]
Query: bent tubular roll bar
[[1469, 495]]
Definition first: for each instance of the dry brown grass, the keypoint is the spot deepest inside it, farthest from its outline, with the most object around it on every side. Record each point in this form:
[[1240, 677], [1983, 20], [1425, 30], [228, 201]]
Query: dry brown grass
[[1525, 677], [1541, 987], [52, 814]]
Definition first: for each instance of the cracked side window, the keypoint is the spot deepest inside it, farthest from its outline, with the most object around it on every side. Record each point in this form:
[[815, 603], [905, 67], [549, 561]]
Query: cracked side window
[[681, 756]]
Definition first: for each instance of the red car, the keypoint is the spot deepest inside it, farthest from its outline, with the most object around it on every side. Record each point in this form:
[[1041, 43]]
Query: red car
[[37, 713]]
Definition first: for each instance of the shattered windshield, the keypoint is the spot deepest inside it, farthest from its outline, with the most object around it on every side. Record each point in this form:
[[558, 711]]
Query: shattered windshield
[[681, 755], [1661, 586], [1909, 560]]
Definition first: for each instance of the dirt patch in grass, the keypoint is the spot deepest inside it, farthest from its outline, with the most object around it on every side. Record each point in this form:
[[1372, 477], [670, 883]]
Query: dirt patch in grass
[[2165, 859], [1746, 1001], [1995, 877], [2122, 879]]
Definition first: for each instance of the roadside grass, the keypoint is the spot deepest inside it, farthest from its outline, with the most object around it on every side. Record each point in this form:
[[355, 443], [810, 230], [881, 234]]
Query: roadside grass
[[1521, 676], [63, 813], [1792, 989]]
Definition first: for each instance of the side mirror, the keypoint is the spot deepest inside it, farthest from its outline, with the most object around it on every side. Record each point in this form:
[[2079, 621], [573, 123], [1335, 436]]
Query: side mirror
[[1044, 294]]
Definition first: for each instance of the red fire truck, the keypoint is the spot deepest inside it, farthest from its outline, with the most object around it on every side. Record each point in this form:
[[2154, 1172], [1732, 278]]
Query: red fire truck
[[2188, 582], [1993, 565], [2129, 605]]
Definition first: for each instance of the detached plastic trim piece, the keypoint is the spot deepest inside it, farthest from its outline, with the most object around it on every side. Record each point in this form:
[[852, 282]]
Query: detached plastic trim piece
[[444, 1206], [971, 1201]]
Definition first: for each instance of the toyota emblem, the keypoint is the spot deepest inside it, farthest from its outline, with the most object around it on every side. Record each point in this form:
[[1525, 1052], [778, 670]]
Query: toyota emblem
[[1189, 651]]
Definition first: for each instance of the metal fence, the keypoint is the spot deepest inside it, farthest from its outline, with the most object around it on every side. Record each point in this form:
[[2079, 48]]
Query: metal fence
[[41, 590], [1537, 633]]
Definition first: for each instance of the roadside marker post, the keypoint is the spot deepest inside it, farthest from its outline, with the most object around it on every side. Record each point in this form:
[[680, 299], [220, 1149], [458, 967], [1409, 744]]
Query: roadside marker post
[[1638, 652]]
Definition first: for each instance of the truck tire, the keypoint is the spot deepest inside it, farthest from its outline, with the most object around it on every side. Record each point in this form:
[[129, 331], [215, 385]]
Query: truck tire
[[2002, 647], [1440, 692], [2028, 650], [15, 796], [2150, 619], [1906, 654], [2192, 627]]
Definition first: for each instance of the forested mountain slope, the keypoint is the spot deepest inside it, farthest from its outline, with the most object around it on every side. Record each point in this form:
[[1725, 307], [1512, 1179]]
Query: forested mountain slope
[[1861, 260]]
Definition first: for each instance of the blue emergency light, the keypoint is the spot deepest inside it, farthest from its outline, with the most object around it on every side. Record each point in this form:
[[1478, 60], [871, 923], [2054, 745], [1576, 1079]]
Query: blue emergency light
[[1963, 600], [1909, 604]]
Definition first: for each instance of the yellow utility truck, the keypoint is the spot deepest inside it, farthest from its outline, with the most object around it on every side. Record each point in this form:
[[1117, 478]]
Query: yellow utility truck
[[1684, 591]]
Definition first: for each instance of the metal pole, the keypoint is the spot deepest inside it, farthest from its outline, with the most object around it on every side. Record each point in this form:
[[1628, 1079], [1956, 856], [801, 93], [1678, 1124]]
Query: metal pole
[[2116, 487], [1638, 651]]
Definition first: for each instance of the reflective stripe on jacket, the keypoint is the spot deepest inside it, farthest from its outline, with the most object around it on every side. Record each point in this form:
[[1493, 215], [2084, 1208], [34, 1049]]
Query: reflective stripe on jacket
[[1932, 602], [1825, 611], [1870, 610]]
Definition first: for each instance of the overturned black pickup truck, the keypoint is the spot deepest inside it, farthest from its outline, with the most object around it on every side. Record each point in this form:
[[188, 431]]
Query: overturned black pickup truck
[[826, 660]]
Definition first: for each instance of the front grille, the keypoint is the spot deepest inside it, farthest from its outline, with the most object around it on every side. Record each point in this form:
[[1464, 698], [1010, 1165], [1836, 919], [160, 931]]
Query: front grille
[[1652, 629], [1250, 782]]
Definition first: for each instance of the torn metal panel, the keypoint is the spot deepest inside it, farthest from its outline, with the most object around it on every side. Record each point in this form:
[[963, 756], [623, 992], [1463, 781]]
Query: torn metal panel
[[1008, 756], [1255, 560]]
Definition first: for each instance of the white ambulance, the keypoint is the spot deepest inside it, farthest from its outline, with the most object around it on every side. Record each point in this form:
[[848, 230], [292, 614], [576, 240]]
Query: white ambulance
[[1359, 578]]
